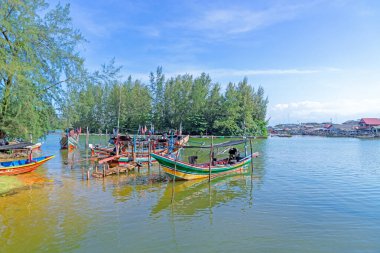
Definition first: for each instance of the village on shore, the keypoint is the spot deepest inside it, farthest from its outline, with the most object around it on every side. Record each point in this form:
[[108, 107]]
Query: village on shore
[[363, 128]]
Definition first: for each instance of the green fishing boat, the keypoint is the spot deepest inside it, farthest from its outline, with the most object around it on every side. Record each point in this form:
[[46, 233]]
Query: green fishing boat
[[191, 170]]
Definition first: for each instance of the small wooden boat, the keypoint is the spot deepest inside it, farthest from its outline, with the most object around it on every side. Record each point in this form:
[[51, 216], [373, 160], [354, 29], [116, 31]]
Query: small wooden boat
[[189, 171], [18, 150], [22, 166], [70, 139], [136, 151], [69, 143]]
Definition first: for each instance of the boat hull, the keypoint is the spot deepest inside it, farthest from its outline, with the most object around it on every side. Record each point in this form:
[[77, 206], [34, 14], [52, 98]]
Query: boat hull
[[178, 175], [24, 168]]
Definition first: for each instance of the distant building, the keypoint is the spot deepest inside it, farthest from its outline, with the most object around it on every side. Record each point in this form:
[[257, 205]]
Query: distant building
[[369, 125], [369, 122]]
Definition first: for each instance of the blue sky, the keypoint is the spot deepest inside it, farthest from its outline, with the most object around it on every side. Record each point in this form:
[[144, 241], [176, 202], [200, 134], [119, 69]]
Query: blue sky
[[317, 60]]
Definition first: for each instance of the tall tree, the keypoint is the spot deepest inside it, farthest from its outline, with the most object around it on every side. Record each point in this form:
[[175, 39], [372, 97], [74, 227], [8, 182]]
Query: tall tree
[[37, 55], [214, 109], [157, 87]]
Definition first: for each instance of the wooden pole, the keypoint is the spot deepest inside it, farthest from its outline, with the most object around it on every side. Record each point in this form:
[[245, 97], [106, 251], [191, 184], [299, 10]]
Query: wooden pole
[[149, 150], [117, 145], [105, 138], [134, 149], [211, 158], [250, 144], [87, 138], [175, 172]]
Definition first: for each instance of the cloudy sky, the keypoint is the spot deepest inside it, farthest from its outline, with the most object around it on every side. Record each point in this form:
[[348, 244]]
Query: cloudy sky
[[317, 60]]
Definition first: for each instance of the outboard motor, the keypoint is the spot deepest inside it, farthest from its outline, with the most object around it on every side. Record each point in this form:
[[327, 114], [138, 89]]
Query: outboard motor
[[234, 154], [193, 159]]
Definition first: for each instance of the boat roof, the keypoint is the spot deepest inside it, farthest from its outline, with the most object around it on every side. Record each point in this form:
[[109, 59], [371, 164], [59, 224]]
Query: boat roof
[[223, 144], [20, 145]]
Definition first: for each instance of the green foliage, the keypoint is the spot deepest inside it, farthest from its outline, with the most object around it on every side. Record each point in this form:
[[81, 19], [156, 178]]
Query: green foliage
[[195, 103], [42, 74], [37, 54]]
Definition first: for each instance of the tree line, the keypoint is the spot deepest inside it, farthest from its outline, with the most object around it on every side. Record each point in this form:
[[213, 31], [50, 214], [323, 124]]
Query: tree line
[[196, 104], [44, 85]]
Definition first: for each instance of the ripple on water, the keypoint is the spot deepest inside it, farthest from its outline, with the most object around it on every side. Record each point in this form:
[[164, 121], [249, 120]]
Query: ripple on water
[[307, 195]]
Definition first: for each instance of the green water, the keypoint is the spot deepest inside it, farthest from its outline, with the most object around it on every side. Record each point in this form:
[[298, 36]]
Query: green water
[[306, 194]]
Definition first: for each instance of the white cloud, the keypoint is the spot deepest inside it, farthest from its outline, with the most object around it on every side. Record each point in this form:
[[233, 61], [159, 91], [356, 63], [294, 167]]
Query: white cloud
[[339, 110], [231, 20], [234, 73], [234, 21], [95, 22]]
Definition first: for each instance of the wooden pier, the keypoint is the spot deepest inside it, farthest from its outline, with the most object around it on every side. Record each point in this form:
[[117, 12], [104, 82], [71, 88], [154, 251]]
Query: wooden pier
[[108, 171]]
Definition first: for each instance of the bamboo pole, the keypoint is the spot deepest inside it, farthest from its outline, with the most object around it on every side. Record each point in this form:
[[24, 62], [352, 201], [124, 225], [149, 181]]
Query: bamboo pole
[[175, 172], [149, 150], [211, 158], [117, 145], [87, 138], [105, 138], [250, 144]]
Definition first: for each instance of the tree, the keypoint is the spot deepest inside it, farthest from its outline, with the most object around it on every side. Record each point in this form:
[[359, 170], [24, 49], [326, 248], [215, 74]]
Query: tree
[[157, 87], [196, 121], [213, 107], [229, 123], [37, 55]]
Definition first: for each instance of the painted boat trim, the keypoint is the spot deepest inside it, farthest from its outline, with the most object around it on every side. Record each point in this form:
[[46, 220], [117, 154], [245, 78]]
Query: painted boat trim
[[19, 169]]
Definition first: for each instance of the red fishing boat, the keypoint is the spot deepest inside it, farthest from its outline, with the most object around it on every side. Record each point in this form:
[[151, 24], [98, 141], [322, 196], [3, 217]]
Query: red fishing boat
[[22, 166]]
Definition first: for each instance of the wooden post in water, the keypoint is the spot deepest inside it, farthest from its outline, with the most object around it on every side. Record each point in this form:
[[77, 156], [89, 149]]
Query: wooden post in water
[[87, 138], [105, 138], [149, 150], [250, 144], [175, 172], [88, 174], [211, 158], [117, 145], [134, 150]]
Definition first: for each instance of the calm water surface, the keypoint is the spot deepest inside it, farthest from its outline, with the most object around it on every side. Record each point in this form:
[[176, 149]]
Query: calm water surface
[[307, 194]]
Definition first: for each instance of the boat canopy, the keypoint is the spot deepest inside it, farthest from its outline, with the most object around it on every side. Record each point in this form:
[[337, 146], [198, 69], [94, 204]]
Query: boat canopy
[[21, 145], [223, 144]]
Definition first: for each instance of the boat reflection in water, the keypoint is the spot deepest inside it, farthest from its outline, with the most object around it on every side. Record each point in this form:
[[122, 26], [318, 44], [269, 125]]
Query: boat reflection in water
[[136, 184], [187, 198]]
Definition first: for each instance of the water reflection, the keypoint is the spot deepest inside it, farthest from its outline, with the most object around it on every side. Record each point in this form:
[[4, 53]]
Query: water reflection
[[46, 218], [136, 184], [190, 197], [57, 211]]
